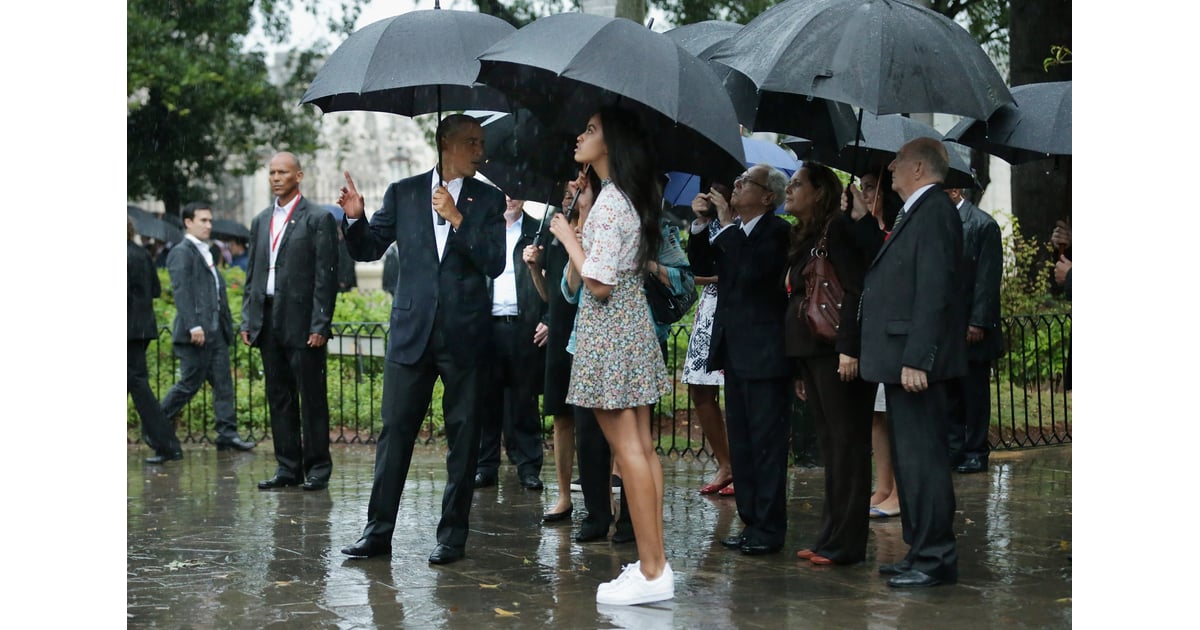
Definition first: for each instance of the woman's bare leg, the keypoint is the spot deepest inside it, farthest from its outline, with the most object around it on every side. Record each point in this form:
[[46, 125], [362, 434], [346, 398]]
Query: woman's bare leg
[[712, 423], [885, 496], [564, 459], [628, 433]]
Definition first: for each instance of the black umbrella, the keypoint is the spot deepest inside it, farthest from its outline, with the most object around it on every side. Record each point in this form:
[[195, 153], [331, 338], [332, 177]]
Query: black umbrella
[[225, 230], [415, 63], [885, 56], [882, 137], [563, 67], [703, 38], [150, 226], [524, 158], [802, 147], [1038, 127], [827, 124]]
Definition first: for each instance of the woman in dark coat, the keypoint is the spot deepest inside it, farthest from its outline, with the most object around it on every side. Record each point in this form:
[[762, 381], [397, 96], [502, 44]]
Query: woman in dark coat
[[840, 402]]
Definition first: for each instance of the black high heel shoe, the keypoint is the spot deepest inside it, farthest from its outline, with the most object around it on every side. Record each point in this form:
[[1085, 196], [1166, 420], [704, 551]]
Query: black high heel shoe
[[550, 517]]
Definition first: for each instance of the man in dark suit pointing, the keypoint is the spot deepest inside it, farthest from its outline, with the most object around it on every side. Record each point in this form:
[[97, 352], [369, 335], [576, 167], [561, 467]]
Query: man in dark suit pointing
[[913, 343], [287, 309], [449, 233]]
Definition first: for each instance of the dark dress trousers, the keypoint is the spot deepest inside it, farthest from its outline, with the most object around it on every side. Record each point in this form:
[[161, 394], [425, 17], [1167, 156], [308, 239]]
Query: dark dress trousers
[[911, 316], [141, 287], [201, 300], [561, 319], [440, 326], [841, 411], [516, 374], [279, 326], [969, 399], [746, 335]]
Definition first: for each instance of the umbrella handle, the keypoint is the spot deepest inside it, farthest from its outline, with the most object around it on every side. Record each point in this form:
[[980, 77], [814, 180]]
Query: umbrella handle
[[441, 219]]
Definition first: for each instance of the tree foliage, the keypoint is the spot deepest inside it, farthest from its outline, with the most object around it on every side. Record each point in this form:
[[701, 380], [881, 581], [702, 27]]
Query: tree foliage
[[200, 104]]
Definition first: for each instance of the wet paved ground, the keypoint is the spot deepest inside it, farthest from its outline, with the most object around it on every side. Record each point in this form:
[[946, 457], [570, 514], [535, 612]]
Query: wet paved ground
[[207, 549]]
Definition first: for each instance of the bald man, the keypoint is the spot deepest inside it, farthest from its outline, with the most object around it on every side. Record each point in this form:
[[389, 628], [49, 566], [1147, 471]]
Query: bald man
[[913, 342], [287, 309]]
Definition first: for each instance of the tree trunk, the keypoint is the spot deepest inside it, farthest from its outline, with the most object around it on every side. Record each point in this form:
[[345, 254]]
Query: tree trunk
[[1041, 190]]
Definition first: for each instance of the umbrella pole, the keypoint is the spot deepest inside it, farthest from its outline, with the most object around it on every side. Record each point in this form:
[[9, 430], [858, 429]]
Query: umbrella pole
[[854, 162], [441, 179]]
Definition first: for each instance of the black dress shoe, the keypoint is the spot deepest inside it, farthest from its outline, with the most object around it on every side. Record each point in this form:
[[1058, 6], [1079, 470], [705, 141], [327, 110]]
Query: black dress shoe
[[896, 568], [277, 482], [734, 542], [759, 549], [972, 465], [365, 548], [551, 517], [163, 458], [445, 554], [915, 579], [485, 480], [531, 482], [312, 483], [591, 531], [224, 444], [623, 533]]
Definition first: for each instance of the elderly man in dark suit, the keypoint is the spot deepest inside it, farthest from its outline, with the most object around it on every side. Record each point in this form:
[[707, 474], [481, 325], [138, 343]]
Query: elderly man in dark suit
[[913, 343], [287, 309], [970, 404], [750, 256], [203, 327], [141, 287], [512, 388], [449, 231]]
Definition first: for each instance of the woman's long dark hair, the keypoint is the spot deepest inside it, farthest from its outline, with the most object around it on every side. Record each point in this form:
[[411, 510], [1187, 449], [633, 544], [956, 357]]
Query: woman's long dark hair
[[631, 166], [829, 192]]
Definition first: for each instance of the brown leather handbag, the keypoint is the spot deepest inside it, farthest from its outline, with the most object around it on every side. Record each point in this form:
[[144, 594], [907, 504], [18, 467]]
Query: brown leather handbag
[[821, 307]]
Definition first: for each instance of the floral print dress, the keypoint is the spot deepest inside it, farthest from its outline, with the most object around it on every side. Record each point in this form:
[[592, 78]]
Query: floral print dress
[[618, 364]]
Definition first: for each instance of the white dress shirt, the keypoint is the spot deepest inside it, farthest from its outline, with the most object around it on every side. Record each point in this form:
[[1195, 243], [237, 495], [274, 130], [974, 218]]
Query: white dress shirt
[[442, 232], [504, 289], [279, 223]]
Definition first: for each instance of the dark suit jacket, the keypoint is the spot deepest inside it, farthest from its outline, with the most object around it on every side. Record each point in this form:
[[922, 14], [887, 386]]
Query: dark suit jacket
[[748, 324], [141, 287], [474, 253], [981, 272], [530, 307], [197, 301], [305, 275], [852, 246], [911, 312]]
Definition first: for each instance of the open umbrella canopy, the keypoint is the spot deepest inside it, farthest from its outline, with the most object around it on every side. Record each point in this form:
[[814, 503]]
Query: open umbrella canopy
[[703, 38], [1038, 126], [564, 67], [524, 158], [148, 225], [225, 229], [414, 63], [681, 188], [882, 137], [829, 124], [886, 56]]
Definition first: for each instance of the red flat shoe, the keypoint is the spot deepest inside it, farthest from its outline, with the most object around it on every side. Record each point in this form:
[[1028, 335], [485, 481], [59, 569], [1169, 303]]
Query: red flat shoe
[[818, 559], [805, 554], [713, 488], [727, 491]]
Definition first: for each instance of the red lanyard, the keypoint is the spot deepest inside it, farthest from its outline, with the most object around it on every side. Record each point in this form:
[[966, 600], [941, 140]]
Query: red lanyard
[[275, 237]]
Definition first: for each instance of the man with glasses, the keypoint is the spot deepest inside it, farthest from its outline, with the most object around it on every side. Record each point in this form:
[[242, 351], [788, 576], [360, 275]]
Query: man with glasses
[[749, 255]]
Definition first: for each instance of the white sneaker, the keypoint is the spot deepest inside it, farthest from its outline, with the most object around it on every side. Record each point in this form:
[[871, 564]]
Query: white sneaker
[[633, 588], [626, 570]]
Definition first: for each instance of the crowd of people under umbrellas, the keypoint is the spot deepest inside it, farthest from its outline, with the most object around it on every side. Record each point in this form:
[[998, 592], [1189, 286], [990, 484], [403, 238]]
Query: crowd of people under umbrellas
[[917, 325]]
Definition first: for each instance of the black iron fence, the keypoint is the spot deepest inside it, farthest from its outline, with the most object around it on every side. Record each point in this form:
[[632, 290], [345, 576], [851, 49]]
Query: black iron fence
[[1030, 403]]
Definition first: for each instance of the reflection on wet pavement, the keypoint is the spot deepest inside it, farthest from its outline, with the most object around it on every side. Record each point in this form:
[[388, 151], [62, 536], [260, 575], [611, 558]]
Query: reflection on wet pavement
[[206, 548]]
